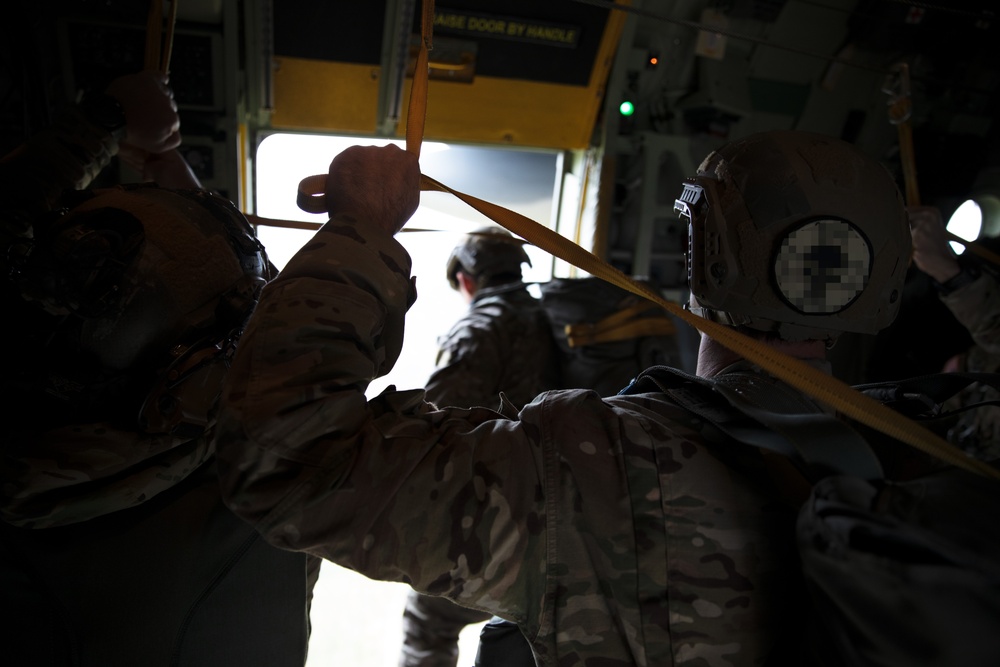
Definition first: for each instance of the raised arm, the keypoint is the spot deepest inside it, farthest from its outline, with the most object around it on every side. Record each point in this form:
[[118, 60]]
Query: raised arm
[[970, 294], [391, 487], [138, 108]]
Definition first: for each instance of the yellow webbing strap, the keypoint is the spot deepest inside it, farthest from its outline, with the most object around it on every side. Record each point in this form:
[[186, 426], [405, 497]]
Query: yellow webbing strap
[[619, 325], [900, 108], [900, 111], [421, 78], [158, 47], [154, 35], [807, 379], [581, 335], [976, 249], [168, 40]]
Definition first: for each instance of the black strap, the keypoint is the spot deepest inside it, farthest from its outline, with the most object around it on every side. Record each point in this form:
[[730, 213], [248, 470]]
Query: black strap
[[763, 412], [826, 444], [922, 397], [696, 396], [501, 644]]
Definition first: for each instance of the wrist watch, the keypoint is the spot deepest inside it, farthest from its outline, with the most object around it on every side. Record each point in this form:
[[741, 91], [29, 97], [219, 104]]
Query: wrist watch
[[105, 112]]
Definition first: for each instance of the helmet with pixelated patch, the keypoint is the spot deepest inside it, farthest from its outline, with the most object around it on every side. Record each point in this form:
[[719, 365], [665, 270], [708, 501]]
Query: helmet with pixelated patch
[[485, 254], [795, 233]]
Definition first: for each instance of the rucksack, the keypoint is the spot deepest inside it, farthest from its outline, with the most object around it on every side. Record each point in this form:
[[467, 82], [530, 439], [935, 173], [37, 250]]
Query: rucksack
[[605, 335], [897, 573]]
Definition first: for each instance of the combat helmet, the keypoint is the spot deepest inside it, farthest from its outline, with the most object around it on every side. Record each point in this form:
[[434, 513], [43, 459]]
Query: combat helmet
[[153, 286], [485, 253], [795, 233]]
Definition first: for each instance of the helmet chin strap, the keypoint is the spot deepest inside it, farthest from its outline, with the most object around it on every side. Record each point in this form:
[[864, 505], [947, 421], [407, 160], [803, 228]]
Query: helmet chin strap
[[183, 400]]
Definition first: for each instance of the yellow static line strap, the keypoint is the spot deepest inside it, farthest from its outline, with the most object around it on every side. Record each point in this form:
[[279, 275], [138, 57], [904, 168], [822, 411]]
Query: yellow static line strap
[[259, 221], [168, 42], [900, 111], [158, 48], [154, 35]]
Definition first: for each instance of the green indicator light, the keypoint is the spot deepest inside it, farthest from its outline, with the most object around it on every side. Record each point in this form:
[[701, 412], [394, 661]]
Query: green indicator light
[[626, 108]]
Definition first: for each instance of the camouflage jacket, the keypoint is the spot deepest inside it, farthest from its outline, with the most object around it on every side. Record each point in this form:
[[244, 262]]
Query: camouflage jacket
[[977, 307], [57, 468], [503, 343], [606, 528]]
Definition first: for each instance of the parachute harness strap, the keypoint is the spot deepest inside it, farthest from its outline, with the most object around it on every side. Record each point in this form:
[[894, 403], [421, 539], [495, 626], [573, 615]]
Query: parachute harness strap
[[624, 324]]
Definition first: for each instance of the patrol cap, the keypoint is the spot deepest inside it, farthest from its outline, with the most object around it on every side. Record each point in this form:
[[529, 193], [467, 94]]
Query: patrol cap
[[796, 233], [487, 252]]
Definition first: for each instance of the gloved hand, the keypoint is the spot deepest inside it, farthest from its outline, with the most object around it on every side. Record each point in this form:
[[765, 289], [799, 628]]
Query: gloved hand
[[931, 251], [378, 185], [152, 123]]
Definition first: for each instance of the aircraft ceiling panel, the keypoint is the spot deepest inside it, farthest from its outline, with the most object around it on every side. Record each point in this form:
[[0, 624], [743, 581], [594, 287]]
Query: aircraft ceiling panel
[[801, 30]]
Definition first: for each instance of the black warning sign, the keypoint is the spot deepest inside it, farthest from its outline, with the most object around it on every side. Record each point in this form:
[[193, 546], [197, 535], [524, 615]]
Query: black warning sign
[[504, 27]]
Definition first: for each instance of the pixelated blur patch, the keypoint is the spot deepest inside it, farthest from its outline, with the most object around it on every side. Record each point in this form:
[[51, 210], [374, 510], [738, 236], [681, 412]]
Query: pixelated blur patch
[[823, 266]]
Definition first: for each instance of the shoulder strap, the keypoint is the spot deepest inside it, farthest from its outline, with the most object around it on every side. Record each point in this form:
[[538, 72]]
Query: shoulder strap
[[826, 444], [697, 396], [761, 411]]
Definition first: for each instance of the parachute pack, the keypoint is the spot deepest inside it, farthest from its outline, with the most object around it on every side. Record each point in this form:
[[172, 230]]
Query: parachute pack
[[605, 336]]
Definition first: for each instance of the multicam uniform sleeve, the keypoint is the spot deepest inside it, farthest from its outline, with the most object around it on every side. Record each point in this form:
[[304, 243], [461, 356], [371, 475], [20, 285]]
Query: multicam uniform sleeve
[[66, 156], [448, 501], [977, 307]]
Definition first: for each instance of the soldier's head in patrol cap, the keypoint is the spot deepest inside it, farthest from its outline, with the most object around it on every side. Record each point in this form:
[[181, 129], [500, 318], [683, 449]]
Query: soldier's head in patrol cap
[[490, 256], [795, 233]]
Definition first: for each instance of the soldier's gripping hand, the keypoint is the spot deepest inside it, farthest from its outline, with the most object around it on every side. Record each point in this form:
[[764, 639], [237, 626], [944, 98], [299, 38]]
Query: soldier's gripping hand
[[378, 186], [931, 251], [152, 123]]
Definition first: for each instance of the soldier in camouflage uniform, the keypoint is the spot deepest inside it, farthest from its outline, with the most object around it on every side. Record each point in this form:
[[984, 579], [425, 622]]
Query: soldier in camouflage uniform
[[613, 531], [973, 297], [504, 323], [501, 345], [122, 308]]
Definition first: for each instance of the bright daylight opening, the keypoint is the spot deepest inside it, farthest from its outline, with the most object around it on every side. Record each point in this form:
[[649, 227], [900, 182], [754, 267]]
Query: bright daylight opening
[[966, 222], [356, 621]]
